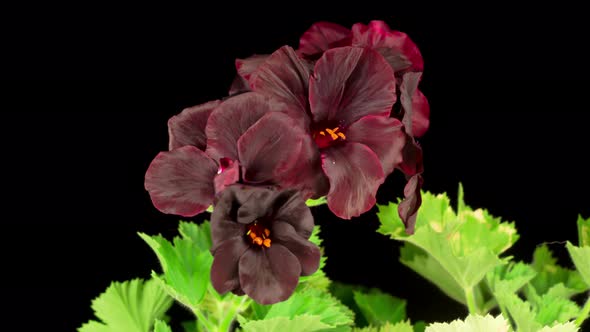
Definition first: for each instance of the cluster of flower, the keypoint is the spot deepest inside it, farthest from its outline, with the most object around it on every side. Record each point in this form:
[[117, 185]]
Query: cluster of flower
[[332, 118]]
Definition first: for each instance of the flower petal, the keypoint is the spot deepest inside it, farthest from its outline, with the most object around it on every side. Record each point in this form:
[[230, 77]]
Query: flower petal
[[269, 275], [308, 253], [349, 83], [224, 223], [181, 181], [227, 174], [385, 136], [397, 48], [293, 211], [420, 114], [188, 127], [246, 69], [355, 174], [231, 119], [322, 36], [285, 76], [409, 98], [408, 208], [224, 271], [270, 148], [412, 161]]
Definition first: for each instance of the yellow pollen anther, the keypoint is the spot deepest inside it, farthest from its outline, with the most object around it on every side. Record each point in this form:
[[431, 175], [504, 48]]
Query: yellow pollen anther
[[253, 235], [322, 133], [333, 133], [266, 243], [266, 232], [258, 241], [342, 135]]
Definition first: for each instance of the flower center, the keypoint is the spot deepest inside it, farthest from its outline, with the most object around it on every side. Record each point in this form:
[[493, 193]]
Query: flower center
[[326, 137], [258, 234]]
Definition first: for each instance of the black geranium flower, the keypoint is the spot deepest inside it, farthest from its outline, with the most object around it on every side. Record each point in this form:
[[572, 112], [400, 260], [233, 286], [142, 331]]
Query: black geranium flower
[[260, 242]]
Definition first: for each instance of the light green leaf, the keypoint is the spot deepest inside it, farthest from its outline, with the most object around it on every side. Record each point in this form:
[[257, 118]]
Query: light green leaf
[[302, 323], [522, 313], [513, 276], [555, 308], [345, 294], [581, 258], [379, 308], [200, 235], [316, 202], [567, 327], [388, 327], [472, 323], [583, 231], [186, 263], [210, 209], [161, 326], [550, 274], [130, 306]]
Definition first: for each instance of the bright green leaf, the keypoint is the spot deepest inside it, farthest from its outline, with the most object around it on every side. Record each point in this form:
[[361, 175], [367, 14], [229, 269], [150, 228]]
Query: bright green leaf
[[388, 327], [472, 323], [555, 308], [550, 274], [581, 258], [345, 294], [513, 276], [522, 313], [316, 202], [567, 327], [161, 326], [379, 308], [303, 323], [583, 231], [200, 235], [130, 306]]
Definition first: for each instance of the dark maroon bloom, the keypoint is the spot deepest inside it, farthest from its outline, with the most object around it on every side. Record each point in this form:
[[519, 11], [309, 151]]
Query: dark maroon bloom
[[345, 102], [248, 138], [396, 47], [260, 243]]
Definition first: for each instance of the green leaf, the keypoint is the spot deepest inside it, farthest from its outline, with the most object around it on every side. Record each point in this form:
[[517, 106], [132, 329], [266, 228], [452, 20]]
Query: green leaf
[[522, 313], [555, 308], [302, 323], [161, 326], [513, 276], [388, 327], [550, 274], [581, 258], [318, 279], [379, 308], [567, 327], [345, 294], [200, 235], [210, 209], [583, 231], [130, 306], [419, 326], [471, 324], [316, 202]]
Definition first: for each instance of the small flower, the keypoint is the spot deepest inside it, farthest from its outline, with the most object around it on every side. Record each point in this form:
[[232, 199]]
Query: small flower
[[260, 243]]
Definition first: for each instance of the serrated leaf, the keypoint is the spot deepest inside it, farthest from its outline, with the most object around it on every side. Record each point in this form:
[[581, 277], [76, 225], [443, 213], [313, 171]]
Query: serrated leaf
[[471, 324], [186, 267], [161, 326], [130, 306], [513, 276], [316, 202], [583, 231], [555, 308], [549, 273], [388, 327], [567, 327], [379, 308], [200, 235], [581, 258], [302, 323], [522, 312], [345, 294], [313, 302]]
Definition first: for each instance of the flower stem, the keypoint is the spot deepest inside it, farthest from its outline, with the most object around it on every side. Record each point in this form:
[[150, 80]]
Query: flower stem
[[471, 305], [201, 319], [584, 313]]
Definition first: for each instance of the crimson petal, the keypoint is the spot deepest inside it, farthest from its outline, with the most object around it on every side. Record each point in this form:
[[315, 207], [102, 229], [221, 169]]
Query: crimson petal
[[413, 161], [408, 208], [294, 212], [269, 275], [308, 253], [385, 136], [246, 69], [420, 114], [349, 83], [181, 181], [188, 127], [231, 119], [224, 271], [397, 48], [322, 36], [355, 174], [408, 89]]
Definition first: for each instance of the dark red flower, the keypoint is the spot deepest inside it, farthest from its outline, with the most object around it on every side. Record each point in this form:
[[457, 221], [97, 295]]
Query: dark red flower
[[248, 137], [260, 243], [345, 102]]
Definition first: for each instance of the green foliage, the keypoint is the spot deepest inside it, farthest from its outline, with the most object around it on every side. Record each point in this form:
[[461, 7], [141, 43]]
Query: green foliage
[[583, 232], [302, 323], [316, 202], [319, 279], [581, 258], [549, 273], [379, 308], [130, 306], [471, 324], [161, 326], [388, 327]]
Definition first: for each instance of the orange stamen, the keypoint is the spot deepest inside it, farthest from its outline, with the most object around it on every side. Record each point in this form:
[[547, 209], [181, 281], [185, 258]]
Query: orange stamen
[[266, 232], [266, 243], [322, 133], [342, 135], [258, 241], [253, 235]]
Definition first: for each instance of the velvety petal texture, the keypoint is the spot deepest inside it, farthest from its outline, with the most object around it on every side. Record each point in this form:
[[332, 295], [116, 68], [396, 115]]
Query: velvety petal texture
[[408, 208], [355, 174], [349, 83], [188, 127], [267, 273], [322, 36], [181, 181]]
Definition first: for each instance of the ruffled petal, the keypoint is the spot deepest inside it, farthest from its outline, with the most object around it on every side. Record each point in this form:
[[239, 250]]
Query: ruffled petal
[[227, 174], [412, 158], [224, 271], [224, 218], [293, 211], [269, 275], [420, 114], [188, 127], [307, 253], [349, 83], [246, 69], [285, 76], [385, 136], [410, 96], [355, 174], [232, 118], [322, 36], [408, 208], [181, 181], [397, 48]]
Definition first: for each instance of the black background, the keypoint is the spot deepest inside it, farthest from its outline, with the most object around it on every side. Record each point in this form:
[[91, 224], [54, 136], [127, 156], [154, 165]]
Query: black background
[[507, 86]]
